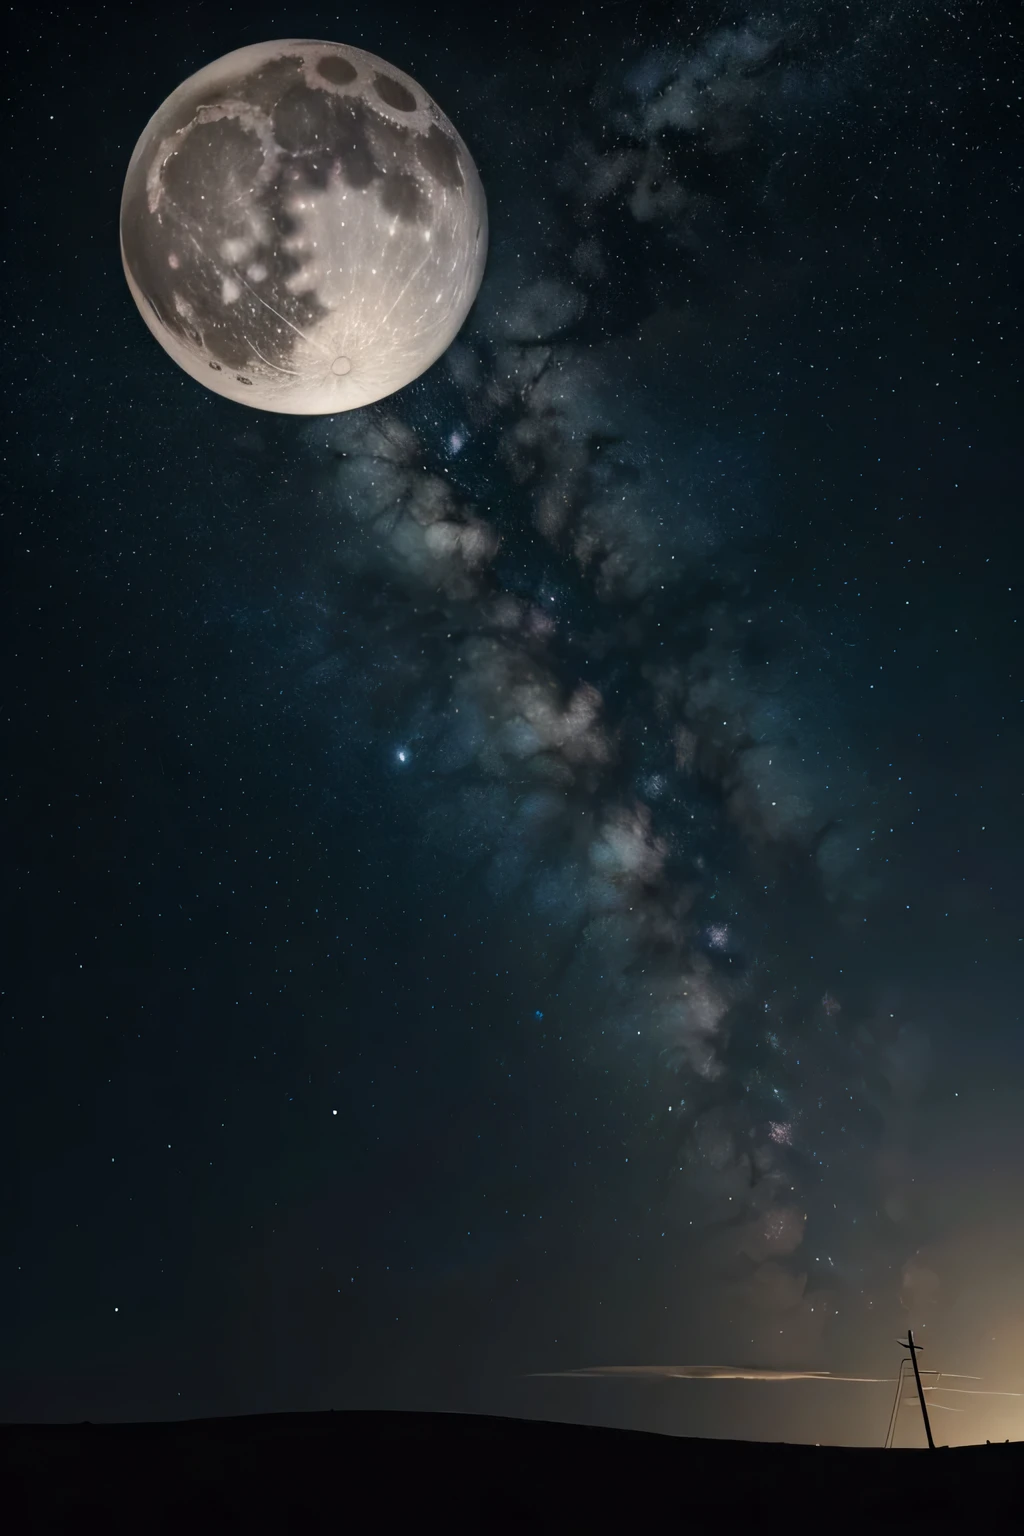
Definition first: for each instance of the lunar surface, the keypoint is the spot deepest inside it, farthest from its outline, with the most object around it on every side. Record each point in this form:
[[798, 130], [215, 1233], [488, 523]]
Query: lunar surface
[[302, 228]]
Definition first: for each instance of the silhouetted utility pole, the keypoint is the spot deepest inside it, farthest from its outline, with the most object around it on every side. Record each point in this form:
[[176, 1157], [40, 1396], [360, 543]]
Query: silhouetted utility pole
[[908, 1343]]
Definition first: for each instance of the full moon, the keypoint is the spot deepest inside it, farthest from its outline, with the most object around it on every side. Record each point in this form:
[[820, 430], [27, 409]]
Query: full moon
[[302, 228]]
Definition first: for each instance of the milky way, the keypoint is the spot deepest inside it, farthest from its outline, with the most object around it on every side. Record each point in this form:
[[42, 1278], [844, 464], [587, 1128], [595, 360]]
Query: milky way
[[629, 728]]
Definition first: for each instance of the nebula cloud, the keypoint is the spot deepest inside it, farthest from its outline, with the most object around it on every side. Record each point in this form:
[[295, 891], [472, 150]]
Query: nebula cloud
[[621, 699]]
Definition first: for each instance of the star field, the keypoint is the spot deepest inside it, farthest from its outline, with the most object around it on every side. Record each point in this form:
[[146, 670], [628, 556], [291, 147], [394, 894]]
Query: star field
[[525, 876]]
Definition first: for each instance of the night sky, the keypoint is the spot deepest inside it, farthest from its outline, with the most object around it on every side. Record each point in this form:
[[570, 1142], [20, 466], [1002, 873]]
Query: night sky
[[526, 876]]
